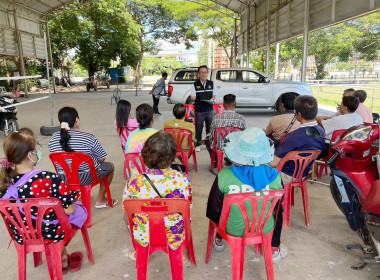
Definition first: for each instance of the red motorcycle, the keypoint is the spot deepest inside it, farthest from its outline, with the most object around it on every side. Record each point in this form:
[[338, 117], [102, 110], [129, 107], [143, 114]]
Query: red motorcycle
[[355, 186]]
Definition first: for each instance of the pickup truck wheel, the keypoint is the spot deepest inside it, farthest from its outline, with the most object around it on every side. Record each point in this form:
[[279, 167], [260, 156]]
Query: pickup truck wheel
[[188, 100], [278, 106]]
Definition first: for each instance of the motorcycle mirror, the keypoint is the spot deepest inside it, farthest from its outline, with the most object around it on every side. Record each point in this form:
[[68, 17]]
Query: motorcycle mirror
[[312, 132]]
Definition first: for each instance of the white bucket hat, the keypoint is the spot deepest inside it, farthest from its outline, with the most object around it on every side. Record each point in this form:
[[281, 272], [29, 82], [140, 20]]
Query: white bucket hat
[[249, 147]]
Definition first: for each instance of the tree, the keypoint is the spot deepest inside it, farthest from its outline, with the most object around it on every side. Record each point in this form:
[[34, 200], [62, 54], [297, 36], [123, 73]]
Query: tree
[[99, 31], [156, 19]]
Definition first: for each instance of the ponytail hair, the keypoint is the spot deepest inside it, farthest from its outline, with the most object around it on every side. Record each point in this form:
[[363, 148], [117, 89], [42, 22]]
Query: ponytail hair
[[67, 115], [123, 110], [16, 147]]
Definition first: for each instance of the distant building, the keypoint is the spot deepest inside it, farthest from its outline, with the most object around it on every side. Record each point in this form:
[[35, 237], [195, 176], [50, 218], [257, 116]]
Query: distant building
[[220, 59]]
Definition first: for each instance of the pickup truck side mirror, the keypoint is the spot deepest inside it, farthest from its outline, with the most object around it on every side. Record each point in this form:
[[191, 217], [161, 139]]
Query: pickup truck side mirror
[[266, 80]]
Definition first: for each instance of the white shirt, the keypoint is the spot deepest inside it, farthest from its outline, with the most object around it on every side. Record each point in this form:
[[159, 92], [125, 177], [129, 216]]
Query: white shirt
[[341, 122]]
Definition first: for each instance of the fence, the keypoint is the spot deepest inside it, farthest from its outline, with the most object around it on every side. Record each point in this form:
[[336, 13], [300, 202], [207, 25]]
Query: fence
[[330, 92]]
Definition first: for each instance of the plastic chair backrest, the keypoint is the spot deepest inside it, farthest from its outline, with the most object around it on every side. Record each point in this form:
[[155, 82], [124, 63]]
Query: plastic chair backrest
[[260, 214], [134, 160], [302, 160], [30, 229], [180, 135], [156, 210], [222, 132], [189, 108], [70, 163], [116, 93], [219, 108]]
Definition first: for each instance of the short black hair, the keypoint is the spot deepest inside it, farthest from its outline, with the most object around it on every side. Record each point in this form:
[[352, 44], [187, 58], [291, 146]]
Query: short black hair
[[229, 99], [351, 102], [361, 94], [350, 90], [144, 115], [307, 106], [179, 111], [202, 66], [287, 99], [159, 150], [164, 74]]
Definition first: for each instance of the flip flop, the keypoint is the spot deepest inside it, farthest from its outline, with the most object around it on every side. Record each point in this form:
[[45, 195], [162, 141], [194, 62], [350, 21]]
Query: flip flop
[[66, 269], [76, 260], [105, 205]]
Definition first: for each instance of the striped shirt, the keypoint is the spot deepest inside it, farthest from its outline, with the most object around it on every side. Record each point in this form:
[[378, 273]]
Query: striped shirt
[[228, 118], [81, 142]]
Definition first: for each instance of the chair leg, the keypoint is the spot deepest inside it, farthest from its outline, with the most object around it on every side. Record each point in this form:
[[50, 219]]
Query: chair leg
[[190, 249], [267, 239], [213, 154], [220, 161], [286, 205], [142, 260], [86, 200], [87, 244], [176, 263], [238, 258], [195, 160], [185, 162], [54, 261], [305, 200], [292, 197], [211, 234], [107, 186], [37, 256], [21, 254]]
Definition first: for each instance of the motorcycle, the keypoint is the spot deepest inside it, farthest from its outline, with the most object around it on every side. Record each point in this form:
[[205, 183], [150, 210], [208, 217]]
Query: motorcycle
[[355, 187], [8, 119]]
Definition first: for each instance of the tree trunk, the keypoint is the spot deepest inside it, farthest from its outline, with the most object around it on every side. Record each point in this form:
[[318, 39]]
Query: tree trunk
[[138, 67]]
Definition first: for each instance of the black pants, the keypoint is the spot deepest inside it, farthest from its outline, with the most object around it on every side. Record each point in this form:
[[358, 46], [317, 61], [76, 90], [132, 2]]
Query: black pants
[[200, 118], [155, 104], [276, 238]]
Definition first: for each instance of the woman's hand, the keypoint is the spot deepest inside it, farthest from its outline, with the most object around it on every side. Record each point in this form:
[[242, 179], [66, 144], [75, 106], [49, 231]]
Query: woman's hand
[[70, 210]]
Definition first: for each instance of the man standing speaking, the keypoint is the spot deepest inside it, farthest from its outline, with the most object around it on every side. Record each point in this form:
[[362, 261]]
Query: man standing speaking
[[203, 93]]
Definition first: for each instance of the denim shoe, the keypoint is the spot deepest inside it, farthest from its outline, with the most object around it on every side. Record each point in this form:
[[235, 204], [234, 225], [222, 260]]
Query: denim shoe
[[218, 244]]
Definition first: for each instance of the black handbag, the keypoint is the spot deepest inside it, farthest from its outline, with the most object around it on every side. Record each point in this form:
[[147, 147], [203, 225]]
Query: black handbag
[[178, 167]]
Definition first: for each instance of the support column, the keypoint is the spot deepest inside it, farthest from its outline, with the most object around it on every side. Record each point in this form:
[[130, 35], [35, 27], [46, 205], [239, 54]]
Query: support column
[[268, 37], [20, 51], [276, 62], [48, 76], [50, 56], [305, 39], [248, 34], [235, 43]]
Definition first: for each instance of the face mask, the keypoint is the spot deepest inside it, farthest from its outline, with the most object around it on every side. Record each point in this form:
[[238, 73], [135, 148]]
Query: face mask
[[38, 154]]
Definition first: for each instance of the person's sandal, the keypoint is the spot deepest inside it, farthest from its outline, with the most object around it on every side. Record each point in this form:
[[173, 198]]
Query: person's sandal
[[105, 205], [76, 260]]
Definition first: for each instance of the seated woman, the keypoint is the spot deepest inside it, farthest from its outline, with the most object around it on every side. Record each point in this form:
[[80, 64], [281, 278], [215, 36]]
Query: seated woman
[[137, 138], [71, 139], [250, 151], [19, 179], [158, 153], [124, 125]]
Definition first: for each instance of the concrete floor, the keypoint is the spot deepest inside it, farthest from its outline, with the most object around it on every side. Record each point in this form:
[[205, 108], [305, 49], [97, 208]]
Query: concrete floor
[[315, 252]]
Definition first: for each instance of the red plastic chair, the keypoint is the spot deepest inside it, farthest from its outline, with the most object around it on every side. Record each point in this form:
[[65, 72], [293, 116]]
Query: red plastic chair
[[77, 159], [156, 210], [219, 108], [220, 133], [254, 230], [301, 160], [180, 136], [321, 164], [30, 230], [133, 160], [190, 108]]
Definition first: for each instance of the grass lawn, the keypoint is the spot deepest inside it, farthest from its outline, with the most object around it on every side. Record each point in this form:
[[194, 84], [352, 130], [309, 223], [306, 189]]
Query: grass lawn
[[332, 95]]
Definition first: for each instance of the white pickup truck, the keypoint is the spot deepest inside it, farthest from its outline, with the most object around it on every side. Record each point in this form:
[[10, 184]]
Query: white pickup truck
[[253, 89]]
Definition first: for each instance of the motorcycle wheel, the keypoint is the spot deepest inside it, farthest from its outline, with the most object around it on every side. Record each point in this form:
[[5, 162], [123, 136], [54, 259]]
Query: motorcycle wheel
[[108, 85], [12, 127], [336, 194]]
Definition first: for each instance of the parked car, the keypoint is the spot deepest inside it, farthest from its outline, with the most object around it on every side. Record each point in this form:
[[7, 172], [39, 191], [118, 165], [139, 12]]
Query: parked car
[[253, 89]]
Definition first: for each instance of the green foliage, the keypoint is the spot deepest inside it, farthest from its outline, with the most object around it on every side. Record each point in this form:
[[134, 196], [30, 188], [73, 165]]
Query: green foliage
[[99, 31], [155, 65], [203, 53], [5, 69]]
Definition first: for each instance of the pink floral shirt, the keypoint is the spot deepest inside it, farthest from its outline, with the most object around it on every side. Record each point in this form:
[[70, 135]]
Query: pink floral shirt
[[170, 184]]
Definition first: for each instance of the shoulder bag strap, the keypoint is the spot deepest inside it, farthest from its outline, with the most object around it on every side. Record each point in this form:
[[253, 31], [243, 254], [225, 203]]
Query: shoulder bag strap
[[153, 186], [288, 128], [13, 188]]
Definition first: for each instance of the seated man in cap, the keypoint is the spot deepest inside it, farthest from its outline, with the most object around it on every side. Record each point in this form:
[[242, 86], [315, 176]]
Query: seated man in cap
[[306, 108], [250, 151]]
